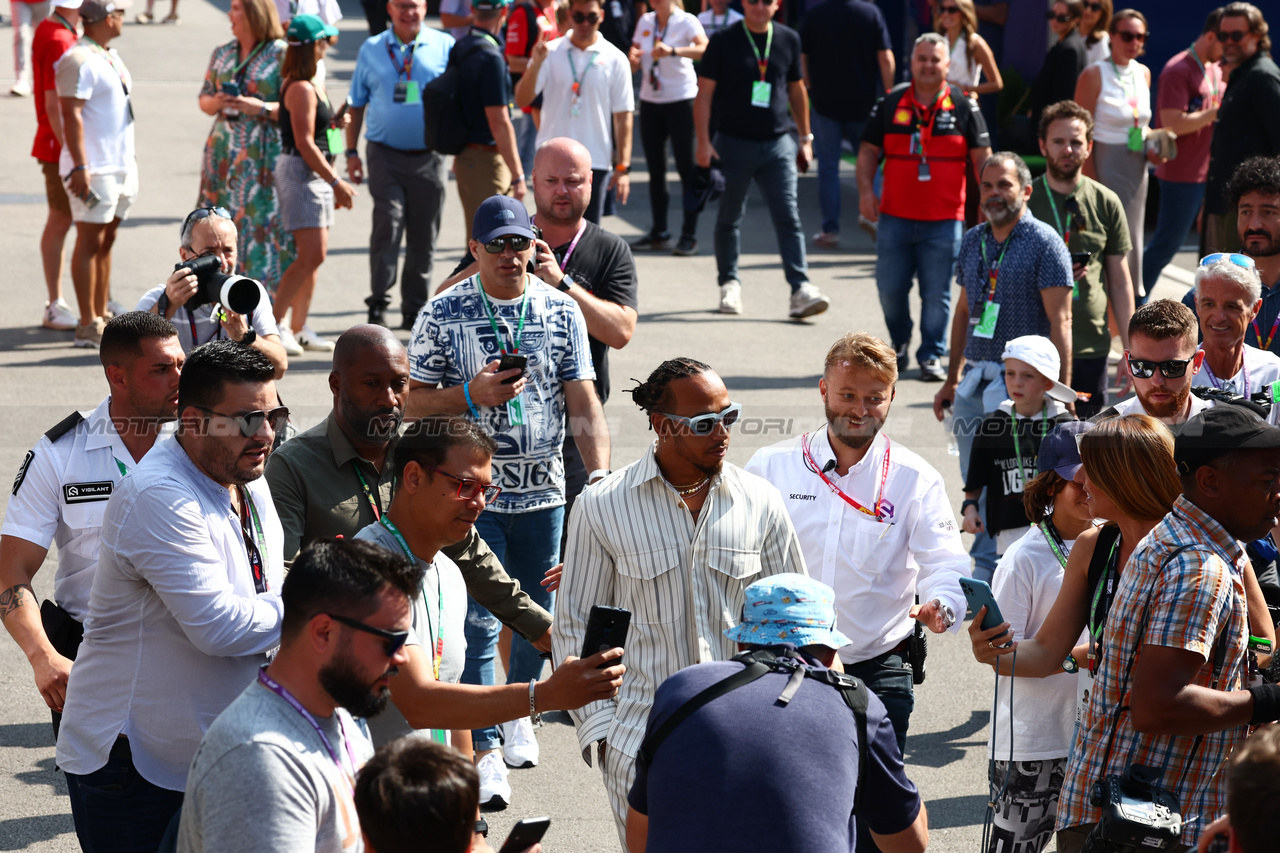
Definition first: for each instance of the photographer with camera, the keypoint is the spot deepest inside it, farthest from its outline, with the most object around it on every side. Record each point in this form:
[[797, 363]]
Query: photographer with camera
[[191, 295], [1169, 704]]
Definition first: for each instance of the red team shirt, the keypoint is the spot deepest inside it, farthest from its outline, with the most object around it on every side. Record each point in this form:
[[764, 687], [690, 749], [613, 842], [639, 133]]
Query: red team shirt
[[51, 40]]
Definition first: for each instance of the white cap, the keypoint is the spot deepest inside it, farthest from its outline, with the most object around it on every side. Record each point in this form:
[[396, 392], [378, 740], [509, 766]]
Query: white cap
[[68, 4], [1039, 352]]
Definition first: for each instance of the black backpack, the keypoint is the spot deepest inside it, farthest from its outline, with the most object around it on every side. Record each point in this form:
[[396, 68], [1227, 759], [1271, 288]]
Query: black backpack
[[445, 127]]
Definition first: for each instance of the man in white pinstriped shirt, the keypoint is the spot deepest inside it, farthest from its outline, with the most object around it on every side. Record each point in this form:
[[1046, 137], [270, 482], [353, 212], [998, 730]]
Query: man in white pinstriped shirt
[[675, 537]]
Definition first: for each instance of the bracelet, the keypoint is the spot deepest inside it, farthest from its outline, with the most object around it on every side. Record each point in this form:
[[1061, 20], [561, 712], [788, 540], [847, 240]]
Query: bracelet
[[808, 137], [466, 392], [968, 503], [1266, 704], [335, 180], [518, 179], [534, 716], [75, 169]]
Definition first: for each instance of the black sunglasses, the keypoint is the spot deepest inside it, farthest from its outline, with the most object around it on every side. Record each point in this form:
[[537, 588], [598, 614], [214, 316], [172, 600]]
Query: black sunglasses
[[203, 213], [1127, 36], [1072, 206], [468, 489], [948, 10], [251, 422], [1172, 369], [393, 641], [1093, 7], [1061, 19], [516, 242], [586, 17], [1234, 35]]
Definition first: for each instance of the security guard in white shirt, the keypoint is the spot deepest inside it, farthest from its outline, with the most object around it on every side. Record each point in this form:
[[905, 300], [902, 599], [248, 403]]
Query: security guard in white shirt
[[62, 488], [874, 522]]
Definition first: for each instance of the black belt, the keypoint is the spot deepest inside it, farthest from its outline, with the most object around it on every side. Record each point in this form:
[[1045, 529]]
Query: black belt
[[416, 152], [293, 152]]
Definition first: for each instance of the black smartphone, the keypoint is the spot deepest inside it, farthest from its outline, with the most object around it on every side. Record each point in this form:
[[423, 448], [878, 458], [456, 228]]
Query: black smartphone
[[606, 629], [336, 121], [1080, 257], [511, 362], [525, 834]]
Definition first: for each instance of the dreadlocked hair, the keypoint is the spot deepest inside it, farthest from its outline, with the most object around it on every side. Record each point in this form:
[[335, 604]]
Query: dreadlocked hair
[[652, 395]]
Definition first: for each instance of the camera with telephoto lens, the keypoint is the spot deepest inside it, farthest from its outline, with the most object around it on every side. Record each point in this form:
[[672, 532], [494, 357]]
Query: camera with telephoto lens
[[236, 292], [1137, 814]]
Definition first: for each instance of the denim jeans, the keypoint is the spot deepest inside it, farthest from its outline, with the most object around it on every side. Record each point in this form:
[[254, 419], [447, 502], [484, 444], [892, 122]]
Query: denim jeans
[[828, 134], [907, 248], [772, 165], [115, 809], [969, 410], [1179, 204], [527, 544], [526, 145], [888, 678]]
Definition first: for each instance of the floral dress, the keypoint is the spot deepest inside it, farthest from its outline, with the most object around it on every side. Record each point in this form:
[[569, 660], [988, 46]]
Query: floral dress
[[239, 158]]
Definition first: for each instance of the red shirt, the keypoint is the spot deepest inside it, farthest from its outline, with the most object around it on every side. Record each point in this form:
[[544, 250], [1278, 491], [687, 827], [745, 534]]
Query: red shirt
[[51, 40], [526, 26], [1188, 86]]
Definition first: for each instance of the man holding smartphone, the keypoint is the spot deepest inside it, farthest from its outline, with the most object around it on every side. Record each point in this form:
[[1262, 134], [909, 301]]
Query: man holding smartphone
[[1092, 223]]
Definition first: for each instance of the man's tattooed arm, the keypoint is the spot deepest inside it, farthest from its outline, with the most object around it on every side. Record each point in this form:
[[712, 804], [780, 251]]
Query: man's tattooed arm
[[14, 597]]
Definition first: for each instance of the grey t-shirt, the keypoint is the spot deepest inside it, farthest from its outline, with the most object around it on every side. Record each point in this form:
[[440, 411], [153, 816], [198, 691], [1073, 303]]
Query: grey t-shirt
[[263, 780], [441, 575]]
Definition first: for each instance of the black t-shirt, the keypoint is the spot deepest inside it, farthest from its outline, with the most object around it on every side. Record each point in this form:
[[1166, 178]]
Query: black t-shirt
[[841, 39], [731, 63], [993, 464], [486, 82], [619, 24]]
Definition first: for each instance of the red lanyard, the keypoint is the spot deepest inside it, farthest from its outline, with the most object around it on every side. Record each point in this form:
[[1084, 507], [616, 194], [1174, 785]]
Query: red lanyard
[[1270, 338], [925, 116], [884, 475], [407, 71]]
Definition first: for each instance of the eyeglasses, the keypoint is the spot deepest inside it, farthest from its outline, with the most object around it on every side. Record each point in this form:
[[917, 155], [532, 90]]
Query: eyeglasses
[[202, 213], [948, 10], [1239, 260], [515, 241], [1174, 368], [1061, 19], [1128, 36], [392, 641], [468, 489], [586, 17], [705, 424], [1233, 35], [251, 422]]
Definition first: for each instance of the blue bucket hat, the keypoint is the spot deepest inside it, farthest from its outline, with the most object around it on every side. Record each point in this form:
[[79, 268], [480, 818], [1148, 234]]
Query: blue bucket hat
[[788, 608]]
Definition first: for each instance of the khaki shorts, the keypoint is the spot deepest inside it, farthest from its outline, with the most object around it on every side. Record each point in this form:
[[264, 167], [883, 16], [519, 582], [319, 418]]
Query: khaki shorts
[[116, 191], [54, 189]]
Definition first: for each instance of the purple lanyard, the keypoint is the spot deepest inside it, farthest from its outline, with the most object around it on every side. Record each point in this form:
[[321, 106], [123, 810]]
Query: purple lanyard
[[582, 227], [278, 689], [1244, 369]]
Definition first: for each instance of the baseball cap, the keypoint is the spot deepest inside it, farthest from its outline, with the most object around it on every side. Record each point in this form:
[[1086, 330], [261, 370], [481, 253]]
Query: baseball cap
[[67, 4], [1060, 449], [305, 29], [92, 11], [498, 216], [1039, 352], [788, 608], [1218, 431], [489, 5]]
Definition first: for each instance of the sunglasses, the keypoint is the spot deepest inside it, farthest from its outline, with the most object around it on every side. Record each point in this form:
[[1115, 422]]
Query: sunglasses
[[203, 213], [1233, 35], [1239, 260], [251, 422], [1072, 206], [468, 489], [586, 17], [1061, 19], [948, 10], [705, 424], [1093, 7], [759, 2], [1129, 37], [515, 241], [392, 641], [1141, 368]]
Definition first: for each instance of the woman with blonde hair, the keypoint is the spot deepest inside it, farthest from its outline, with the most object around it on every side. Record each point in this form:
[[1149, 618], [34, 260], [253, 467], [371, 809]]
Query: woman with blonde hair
[[242, 91], [971, 56], [1095, 29]]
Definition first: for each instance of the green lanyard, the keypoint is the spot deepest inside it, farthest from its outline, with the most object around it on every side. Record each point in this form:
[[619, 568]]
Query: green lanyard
[[762, 64], [1130, 88], [124, 472], [493, 322], [1053, 205], [247, 500], [1055, 541], [1017, 448], [576, 88], [235, 72], [369, 494], [993, 271], [1095, 630], [64, 23], [1213, 84], [437, 652]]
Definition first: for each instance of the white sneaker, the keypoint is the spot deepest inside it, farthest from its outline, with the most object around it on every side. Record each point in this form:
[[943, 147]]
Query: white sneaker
[[807, 301], [731, 297], [115, 307], [309, 340], [57, 315], [519, 745], [290, 344], [21, 89], [495, 790]]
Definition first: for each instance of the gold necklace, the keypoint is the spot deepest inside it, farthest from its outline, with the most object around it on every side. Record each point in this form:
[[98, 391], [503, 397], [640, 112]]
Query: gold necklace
[[686, 491]]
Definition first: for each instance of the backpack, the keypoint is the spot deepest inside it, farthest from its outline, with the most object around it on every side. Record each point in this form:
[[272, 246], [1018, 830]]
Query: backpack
[[444, 126]]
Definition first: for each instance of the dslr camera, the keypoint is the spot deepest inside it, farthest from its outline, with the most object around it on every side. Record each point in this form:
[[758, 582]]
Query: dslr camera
[[1137, 814], [236, 292]]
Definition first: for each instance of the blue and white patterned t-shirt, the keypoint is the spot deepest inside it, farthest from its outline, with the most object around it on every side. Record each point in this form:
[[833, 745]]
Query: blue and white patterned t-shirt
[[452, 340]]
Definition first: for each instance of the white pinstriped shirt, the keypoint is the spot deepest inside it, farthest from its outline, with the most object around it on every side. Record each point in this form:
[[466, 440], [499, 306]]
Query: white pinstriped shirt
[[634, 544]]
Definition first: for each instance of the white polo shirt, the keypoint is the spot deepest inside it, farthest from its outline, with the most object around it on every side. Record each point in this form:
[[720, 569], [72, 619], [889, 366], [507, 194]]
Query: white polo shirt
[[677, 81], [876, 568], [1259, 368], [604, 78]]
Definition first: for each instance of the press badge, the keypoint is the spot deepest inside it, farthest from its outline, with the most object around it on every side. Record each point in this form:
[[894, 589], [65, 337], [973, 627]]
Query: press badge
[[1135, 139], [515, 411], [336, 142], [986, 327], [761, 93], [923, 173], [615, 8], [407, 92]]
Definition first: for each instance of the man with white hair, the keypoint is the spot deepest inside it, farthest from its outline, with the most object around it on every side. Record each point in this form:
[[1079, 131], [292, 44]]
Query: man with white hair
[[1228, 296]]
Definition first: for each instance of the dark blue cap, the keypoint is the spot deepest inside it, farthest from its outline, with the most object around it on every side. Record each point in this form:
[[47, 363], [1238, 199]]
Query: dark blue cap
[[1060, 452], [498, 216]]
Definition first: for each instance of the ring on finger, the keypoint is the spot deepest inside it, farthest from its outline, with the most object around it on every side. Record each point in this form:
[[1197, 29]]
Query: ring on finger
[[991, 644]]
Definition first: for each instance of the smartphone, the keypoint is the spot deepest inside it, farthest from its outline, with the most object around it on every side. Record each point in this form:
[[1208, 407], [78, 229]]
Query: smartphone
[[336, 121], [606, 629], [231, 88], [525, 834], [978, 594], [1081, 257], [510, 362]]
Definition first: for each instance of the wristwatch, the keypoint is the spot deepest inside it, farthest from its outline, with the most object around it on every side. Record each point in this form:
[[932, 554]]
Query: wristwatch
[[808, 137], [1070, 665], [352, 152], [598, 474], [248, 339], [968, 503], [565, 283], [622, 168], [948, 615]]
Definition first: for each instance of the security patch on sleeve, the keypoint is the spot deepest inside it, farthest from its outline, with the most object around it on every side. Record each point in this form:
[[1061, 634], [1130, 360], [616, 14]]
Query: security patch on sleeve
[[83, 493], [22, 471]]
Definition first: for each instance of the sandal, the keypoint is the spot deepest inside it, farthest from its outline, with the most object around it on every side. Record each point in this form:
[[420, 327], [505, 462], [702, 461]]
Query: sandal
[[172, 19], [145, 18]]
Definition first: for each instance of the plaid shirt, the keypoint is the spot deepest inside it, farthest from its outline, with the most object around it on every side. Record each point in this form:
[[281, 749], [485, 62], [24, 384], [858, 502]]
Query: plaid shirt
[[1186, 602]]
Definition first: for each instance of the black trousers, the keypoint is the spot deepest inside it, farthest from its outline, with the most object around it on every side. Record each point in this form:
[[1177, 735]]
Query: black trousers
[[658, 123]]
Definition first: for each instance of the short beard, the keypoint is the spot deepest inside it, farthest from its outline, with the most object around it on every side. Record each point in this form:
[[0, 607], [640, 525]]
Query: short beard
[[343, 684], [1272, 247], [853, 441], [1058, 175], [1169, 409], [1010, 214]]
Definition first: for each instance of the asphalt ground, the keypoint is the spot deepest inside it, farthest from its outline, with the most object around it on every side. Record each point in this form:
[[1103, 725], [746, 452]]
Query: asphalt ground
[[770, 364]]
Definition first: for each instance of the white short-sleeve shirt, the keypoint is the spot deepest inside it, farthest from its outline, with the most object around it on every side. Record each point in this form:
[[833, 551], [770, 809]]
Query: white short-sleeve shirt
[[712, 23], [677, 81], [603, 90], [198, 327], [100, 79]]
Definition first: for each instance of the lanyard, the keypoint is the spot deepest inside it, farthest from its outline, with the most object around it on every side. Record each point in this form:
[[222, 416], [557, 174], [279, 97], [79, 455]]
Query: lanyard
[[1017, 448], [236, 72], [1130, 88], [64, 23], [493, 323], [407, 71], [1270, 338], [370, 495], [112, 61], [1244, 366], [252, 538], [1056, 544], [762, 64], [924, 118], [124, 472], [884, 475], [279, 689], [993, 270], [1213, 83], [437, 651], [573, 244], [576, 88], [660, 35], [716, 27], [1053, 205], [1095, 630]]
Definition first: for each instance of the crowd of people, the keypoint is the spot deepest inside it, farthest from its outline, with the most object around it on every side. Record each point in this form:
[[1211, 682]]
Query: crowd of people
[[266, 638]]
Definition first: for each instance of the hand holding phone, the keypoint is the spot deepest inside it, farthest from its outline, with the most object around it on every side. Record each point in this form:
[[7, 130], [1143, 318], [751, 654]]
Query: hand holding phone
[[525, 834], [511, 362], [978, 594], [606, 629]]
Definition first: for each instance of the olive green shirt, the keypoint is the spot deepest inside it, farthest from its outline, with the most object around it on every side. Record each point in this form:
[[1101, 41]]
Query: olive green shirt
[[1101, 229], [318, 494]]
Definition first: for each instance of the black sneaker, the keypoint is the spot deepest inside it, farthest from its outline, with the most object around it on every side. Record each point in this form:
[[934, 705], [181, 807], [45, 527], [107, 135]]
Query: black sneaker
[[377, 312], [407, 321], [686, 247], [931, 370], [904, 357], [652, 243]]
